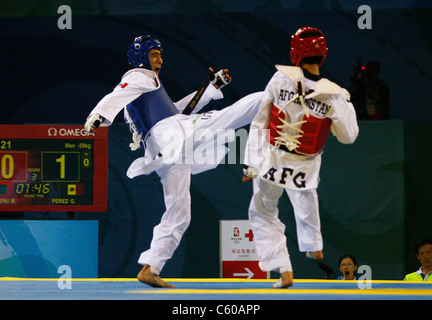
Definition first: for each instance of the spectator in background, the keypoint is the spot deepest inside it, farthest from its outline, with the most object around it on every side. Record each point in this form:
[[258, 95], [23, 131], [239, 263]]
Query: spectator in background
[[369, 94], [377, 99], [348, 268], [423, 251]]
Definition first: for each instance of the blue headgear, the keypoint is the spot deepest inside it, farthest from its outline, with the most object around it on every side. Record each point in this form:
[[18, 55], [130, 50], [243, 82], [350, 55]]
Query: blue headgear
[[138, 51]]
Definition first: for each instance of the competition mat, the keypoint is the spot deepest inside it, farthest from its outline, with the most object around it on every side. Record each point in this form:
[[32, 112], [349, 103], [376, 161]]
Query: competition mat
[[209, 289]]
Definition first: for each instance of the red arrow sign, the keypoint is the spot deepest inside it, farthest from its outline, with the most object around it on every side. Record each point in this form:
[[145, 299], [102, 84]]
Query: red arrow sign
[[243, 269]]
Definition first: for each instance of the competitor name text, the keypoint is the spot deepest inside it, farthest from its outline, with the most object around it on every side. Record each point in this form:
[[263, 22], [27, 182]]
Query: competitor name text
[[315, 106]]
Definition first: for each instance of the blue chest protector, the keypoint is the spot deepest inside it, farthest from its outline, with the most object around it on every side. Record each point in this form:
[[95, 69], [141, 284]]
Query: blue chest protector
[[150, 108]]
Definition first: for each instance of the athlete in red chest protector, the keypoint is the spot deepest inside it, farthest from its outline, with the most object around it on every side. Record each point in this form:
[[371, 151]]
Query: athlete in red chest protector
[[298, 111]]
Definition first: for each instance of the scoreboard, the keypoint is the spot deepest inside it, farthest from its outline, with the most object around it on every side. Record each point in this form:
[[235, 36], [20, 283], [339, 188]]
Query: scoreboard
[[53, 168]]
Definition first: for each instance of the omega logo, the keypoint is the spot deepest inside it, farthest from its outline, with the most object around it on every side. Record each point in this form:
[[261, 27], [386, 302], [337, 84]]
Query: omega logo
[[63, 132]]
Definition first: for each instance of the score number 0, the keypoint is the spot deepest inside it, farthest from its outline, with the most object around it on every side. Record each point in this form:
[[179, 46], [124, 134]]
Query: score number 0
[[9, 162], [7, 166]]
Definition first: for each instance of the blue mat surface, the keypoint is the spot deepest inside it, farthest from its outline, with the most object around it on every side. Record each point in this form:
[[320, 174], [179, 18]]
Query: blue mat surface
[[210, 289]]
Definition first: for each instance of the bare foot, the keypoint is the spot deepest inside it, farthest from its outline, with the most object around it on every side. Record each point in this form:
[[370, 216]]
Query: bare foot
[[317, 255], [145, 276], [286, 280]]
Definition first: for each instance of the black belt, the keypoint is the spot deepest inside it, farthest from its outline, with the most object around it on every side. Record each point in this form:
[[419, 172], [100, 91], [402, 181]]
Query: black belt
[[284, 148]]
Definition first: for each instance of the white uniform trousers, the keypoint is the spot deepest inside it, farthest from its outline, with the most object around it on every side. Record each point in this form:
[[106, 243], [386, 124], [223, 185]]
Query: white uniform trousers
[[168, 233], [269, 231], [176, 178]]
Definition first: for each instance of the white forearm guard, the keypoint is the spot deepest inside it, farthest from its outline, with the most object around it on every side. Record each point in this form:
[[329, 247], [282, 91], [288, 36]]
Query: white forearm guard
[[93, 121]]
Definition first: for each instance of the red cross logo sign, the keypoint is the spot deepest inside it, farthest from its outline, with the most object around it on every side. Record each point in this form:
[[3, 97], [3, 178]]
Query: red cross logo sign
[[250, 235]]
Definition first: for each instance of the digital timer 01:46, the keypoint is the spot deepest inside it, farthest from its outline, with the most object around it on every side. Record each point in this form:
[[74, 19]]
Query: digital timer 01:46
[[32, 188]]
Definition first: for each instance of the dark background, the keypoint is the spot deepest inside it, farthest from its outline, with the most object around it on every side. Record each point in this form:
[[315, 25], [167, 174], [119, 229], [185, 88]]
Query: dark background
[[49, 75]]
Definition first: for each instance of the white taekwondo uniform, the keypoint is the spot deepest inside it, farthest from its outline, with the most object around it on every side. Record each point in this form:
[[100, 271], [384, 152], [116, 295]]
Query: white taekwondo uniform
[[166, 154], [288, 157]]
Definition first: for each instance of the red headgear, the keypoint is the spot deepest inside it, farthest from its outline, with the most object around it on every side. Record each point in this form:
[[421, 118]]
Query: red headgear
[[308, 42]]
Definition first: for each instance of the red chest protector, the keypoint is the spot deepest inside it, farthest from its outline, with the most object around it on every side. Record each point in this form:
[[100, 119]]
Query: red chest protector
[[313, 138]]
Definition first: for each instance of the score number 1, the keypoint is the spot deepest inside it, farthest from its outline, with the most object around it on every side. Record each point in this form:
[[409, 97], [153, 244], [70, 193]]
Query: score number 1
[[60, 166], [62, 162]]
